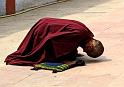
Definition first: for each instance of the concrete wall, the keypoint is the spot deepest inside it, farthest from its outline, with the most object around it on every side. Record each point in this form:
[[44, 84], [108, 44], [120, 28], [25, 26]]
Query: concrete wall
[[24, 4], [2, 7]]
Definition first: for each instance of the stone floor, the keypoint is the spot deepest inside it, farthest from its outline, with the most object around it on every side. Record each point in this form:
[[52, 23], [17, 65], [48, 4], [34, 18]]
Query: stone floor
[[103, 17]]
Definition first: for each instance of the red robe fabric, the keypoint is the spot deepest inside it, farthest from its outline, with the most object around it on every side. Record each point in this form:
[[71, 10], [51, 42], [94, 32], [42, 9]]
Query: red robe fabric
[[49, 38]]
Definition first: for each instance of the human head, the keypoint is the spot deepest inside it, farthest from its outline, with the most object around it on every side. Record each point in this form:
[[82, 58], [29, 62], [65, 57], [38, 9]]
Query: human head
[[94, 48]]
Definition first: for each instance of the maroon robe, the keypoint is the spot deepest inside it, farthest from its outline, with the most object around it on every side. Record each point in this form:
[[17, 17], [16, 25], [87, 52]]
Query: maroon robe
[[49, 39]]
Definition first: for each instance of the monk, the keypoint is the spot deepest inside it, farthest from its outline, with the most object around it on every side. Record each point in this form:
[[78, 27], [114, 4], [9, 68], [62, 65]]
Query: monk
[[55, 40]]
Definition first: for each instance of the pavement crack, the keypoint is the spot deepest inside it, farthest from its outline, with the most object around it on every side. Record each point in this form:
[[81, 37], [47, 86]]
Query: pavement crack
[[22, 79]]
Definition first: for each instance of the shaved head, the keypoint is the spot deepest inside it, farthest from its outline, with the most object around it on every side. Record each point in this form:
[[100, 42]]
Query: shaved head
[[94, 48]]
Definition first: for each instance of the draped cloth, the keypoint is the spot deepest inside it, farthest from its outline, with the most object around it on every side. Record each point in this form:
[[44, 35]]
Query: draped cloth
[[49, 39]]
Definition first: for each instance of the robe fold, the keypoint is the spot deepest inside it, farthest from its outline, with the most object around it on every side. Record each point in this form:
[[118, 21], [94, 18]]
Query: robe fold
[[49, 39]]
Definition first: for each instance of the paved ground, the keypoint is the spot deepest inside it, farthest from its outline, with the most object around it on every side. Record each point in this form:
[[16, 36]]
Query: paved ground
[[103, 17]]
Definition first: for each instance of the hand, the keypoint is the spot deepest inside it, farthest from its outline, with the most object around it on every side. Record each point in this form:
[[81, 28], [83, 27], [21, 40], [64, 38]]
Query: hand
[[80, 62]]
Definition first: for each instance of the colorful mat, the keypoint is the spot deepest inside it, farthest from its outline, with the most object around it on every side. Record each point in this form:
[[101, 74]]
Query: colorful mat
[[55, 67]]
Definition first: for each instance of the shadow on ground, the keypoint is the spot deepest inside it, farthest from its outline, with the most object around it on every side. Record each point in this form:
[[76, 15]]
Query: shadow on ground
[[24, 21], [100, 59]]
